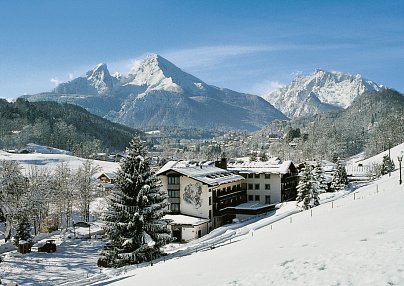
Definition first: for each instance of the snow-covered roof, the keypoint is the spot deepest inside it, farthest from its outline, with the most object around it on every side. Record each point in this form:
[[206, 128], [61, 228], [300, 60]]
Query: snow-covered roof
[[204, 173], [252, 206], [185, 219], [271, 167], [109, 175]]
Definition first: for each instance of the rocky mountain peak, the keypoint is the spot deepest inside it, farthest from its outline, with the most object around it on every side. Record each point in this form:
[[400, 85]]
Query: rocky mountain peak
[[157, 73], [334, 90]]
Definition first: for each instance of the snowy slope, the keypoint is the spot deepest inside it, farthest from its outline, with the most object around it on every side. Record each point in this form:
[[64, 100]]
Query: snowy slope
[[51, 161], [157, 93], [347, 242], [378, 159], [354, 240], [321, 91]]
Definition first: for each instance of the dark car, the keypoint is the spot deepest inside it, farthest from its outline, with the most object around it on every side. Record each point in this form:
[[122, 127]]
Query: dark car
[[49, 246]]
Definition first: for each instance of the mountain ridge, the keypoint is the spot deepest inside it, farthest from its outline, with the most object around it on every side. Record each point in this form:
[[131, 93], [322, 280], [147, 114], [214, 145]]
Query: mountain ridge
[[158, 93], [319, 92]]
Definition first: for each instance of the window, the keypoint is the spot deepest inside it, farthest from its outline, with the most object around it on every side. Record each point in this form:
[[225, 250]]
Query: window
[[173, 194], [267, 176], [250, 176], [267, 186], [173, 180], [210, 201], [257, 186], [250, 197], [257, 197], [210, 214], [268, 199], [250, 187], [174, 208], [257, 176]]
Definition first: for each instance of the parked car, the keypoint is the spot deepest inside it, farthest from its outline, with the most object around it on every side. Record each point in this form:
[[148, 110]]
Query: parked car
[[49, 246]]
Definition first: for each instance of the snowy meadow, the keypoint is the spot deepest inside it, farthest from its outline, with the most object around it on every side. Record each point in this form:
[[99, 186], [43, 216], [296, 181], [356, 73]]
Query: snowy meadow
[[352, 238]]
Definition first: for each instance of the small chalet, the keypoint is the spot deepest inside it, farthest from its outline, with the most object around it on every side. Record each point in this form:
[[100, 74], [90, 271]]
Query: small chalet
[[106, 181], [199, 197], [107, 177]]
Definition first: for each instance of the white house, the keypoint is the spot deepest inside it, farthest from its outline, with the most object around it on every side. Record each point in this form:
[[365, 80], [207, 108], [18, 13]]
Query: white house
[[201, 192], [268, 182]]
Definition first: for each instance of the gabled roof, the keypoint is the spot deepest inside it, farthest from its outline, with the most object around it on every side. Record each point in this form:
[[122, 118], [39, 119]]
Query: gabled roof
[[204, 173], [269, 167], [109, 175]]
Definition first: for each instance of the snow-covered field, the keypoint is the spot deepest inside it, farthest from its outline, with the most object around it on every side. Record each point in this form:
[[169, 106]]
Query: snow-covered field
[[356, 239], [352, 238], [51, 161]]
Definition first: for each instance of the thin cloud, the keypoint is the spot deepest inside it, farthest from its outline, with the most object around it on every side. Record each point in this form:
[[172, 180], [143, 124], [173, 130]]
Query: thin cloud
[[54, 81], [207, 57], [265, 87], [203, 57]]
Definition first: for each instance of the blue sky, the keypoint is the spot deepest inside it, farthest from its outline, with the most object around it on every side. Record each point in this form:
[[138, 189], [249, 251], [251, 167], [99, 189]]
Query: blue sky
[[249, 46]]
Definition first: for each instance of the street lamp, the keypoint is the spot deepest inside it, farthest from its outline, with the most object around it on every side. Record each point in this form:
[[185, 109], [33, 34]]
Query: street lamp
[[390, 158], [400, 158]]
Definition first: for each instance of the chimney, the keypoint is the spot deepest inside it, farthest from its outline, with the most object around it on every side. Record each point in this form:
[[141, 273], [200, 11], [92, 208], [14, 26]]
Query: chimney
[[222, 164]]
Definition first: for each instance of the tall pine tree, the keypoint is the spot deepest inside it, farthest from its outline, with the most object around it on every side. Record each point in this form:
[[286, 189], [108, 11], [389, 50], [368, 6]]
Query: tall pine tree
[[307, 192], [23, 230], [387, 165], [340, 178], [319, 177], [135, 208]]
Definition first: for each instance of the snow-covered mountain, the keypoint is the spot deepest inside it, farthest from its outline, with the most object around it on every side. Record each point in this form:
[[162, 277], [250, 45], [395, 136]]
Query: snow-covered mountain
[[157, 93], [322, 91], [96, 81]]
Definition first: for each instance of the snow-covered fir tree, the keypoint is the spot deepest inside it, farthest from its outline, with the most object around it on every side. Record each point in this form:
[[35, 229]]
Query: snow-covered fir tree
[[253, 156], [387, 165], [23, 229], [319, 177], [307, 193], [263, 156], [340, 178], [134, 224]]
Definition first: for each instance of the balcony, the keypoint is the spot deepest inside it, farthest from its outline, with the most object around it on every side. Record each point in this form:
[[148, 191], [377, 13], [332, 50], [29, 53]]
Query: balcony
[[229, 195]]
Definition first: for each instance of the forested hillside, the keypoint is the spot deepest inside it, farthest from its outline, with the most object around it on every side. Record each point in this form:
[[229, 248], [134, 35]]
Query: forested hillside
[[373, 123], [63, 126]]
